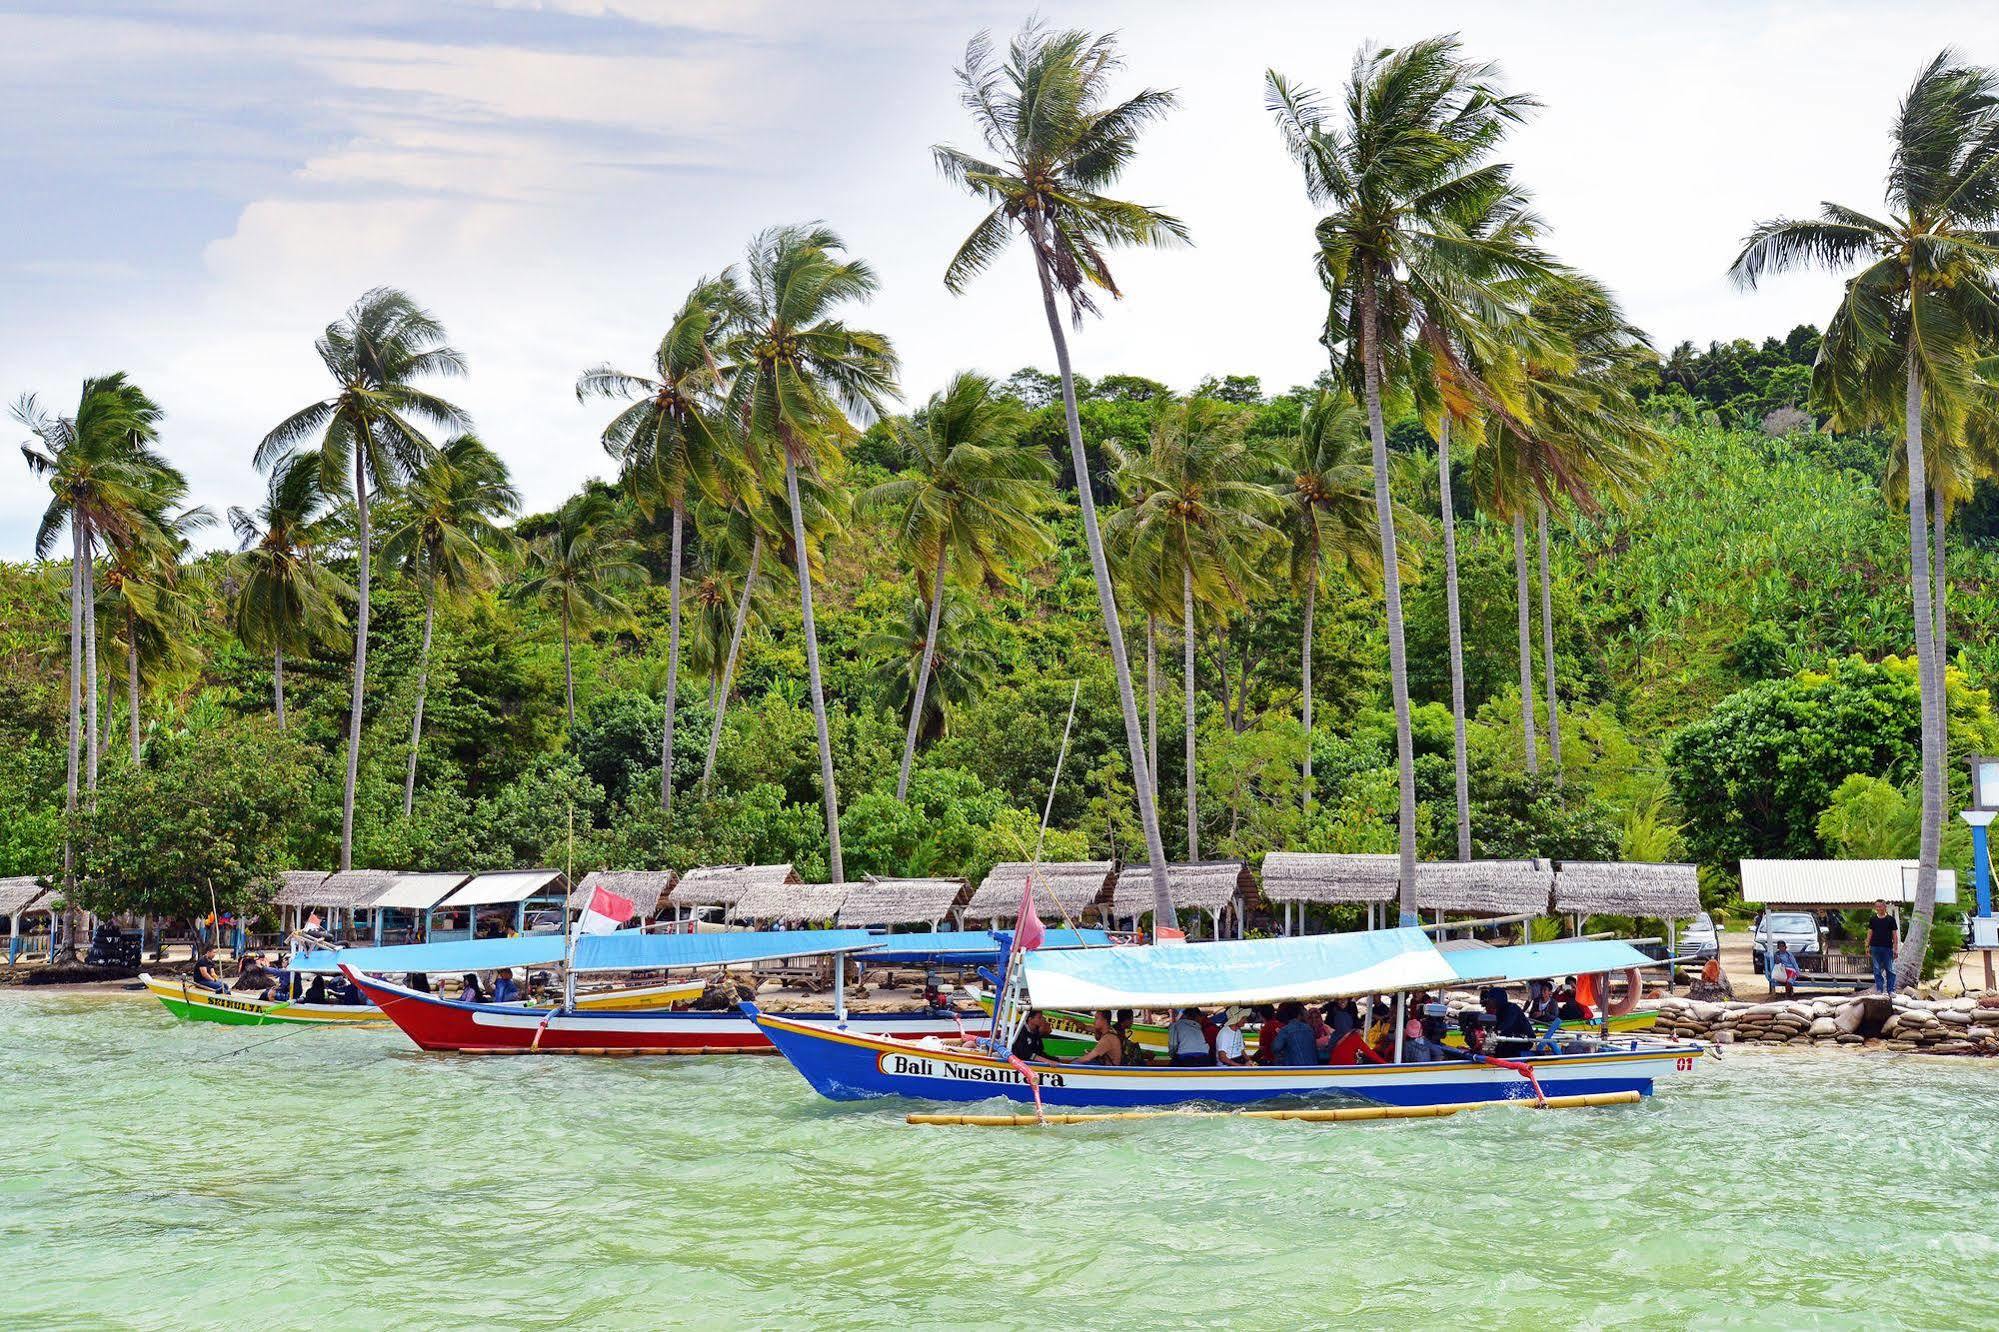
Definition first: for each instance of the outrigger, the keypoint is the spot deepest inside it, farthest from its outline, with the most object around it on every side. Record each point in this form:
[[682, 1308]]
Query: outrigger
[[846, 1064]]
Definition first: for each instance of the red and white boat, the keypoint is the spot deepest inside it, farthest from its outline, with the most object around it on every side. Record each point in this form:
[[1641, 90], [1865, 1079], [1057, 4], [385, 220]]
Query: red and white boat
[[449, 1025]]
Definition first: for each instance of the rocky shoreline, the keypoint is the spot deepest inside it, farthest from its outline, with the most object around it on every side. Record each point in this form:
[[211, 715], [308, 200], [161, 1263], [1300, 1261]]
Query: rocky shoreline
[[1960, 1026]]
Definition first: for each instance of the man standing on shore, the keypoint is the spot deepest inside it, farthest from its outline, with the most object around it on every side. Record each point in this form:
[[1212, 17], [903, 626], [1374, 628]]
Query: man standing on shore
[[1884, 938]]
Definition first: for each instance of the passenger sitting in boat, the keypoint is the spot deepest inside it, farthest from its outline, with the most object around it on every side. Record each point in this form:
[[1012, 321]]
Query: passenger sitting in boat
[[1109, 1049], [1187, 1041], [1353, 1048], [204, 970], [1474, 1024], [1543, 1004], [1028, 1043], [1229, 1049], [1342, 1016], [1509, 1020], [1294, 1044], [504, 989], [469, 992], [1423, 1038], [1322, 1032], [417, 981], [315, 993], [1570, 1006], [1134, 1053], [254, 976], [1266, 1033]]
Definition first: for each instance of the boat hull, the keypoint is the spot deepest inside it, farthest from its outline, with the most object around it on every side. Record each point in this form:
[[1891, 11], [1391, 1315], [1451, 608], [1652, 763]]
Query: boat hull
[[191, 1003], [846, 1065], [446, 1025]]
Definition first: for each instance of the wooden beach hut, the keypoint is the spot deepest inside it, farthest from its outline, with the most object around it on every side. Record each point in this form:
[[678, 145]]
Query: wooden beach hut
[[717, 888], [1499, 890], [21, 897], [503, 893], [1065, 888], [1297, 879], [1213, 886], [791, 903], [891, 902], [341, 895], [643, 888]]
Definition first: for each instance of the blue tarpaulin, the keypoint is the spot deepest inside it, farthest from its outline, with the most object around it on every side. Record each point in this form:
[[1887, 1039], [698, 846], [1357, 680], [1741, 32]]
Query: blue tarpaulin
[[1236, 971], [965, 948], [528, 950], [629, 950], [1538, 961]]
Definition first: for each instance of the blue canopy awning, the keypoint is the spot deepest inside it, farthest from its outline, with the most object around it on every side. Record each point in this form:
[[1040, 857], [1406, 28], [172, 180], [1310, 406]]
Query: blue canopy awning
[[630, 950], [965, 948], [1539, 961], [1235, 971], [528, 950]]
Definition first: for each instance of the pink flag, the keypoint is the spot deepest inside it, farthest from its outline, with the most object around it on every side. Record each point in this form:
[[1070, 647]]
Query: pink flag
[[606, 912], [312, 921], [1027, 931]]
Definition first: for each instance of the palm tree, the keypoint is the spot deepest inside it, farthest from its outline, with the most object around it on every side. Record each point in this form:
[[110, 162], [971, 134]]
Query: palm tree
[[576, 568], [1905, 340], [286, 598], [141, 581], [674, 441], [1045, 115], [442, 533], [793, 366], [1399, 264], [1199, 515], [369, 429], [972, 491], [952, 653], [1328, 494]]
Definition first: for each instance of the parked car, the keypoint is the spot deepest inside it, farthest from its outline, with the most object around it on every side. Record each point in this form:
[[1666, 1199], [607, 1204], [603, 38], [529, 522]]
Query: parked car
[[1700, 940], [1800, 929], [545, 922]]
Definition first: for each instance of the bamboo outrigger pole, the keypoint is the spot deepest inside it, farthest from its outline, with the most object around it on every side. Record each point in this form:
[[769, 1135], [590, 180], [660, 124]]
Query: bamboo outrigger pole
[[1339, 1115]]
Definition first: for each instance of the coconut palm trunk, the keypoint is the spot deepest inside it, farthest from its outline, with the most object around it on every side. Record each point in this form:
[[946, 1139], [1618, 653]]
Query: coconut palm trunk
[[1152, 702], [1460, 766], [1915, 944], [672, 663], [1521, 594], [1163, 917], [1305, 667], [361, 537], [568, 669], [132, 681], [90, 667], [1391, 591], [1548, 648], [923, 672], [278, 683], [77, 545], [1942, 667], [830, 794], [729, 667], [1187, 672], [422, 692]]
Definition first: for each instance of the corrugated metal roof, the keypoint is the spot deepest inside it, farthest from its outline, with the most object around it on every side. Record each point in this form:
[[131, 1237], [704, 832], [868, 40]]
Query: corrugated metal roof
[[1837, 883], [506, 887]]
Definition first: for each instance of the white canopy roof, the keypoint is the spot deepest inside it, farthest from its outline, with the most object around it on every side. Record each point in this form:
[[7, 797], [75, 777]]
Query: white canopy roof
[[1236, 971], [416, 892], [506, 886], [1837, 883]]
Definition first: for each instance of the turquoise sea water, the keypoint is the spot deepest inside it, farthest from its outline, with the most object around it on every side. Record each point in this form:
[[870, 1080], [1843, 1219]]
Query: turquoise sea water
[[170, 1175]]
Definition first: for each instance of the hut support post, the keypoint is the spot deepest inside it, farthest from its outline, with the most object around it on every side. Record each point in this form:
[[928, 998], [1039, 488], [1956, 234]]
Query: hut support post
[[1672, 951]]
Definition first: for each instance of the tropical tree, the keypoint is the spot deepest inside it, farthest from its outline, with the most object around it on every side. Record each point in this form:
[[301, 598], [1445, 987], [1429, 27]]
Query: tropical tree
[[796, 372], [949, 651], [675, 442], [1199, 515], [142, 579], [970, 490], [1327, 487], [368, 432], [287, 598], [577, 569], [1904, 344], [443, 532], [1058, 142], [1399, 265]]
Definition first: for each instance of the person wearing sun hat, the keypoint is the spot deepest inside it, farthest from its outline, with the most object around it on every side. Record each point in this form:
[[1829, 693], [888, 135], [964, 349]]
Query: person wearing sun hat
[[1229, 1048]]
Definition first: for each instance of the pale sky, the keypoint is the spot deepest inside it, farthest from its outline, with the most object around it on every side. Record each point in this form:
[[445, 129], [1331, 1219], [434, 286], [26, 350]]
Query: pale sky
[[192, 191]]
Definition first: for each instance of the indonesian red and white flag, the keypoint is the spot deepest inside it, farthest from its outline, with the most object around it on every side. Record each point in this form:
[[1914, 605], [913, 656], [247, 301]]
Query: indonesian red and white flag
[[1027, 932], [605, 913], [312, 921]]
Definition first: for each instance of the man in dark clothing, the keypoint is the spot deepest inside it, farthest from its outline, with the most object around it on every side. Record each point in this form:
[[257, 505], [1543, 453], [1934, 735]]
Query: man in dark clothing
[[1509, 1020], [1884, 940], [1029, 1043], [1296, 1043]]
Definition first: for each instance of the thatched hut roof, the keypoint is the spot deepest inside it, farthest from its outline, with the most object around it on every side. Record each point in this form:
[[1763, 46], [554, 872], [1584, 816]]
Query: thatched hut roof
[[792, 903], [723, 885], [17, 894], [1071, 886], [902, 901], [643, 887], [1484, 887], [1627, 888], [1210, 886], [296, 888], [351, 888], [1314, 876]]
